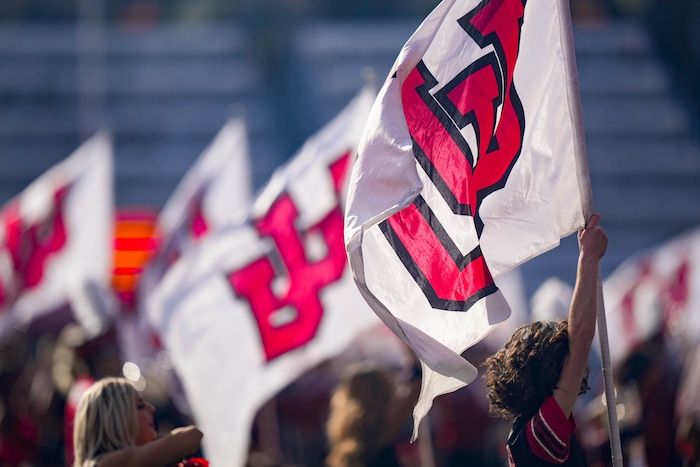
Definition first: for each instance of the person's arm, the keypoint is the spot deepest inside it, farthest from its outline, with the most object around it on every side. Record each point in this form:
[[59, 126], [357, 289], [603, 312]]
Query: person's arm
[[181, 442], [582, 314]]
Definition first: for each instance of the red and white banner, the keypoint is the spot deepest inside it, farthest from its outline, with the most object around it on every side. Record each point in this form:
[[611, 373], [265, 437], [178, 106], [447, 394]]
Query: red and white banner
[[655, 291], [252, 307], [56, 241], [472, 162]]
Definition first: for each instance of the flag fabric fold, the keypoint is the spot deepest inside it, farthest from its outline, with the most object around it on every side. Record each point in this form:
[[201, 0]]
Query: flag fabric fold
[[56, 241], [251, 307], [472, 162]]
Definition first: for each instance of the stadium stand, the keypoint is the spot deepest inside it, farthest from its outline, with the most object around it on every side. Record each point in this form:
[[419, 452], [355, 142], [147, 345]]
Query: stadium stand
[[168, 89], [164, 92]]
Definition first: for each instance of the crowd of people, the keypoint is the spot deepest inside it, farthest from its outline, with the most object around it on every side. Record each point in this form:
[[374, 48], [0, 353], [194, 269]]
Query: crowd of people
[[311, 423], [67, 401]]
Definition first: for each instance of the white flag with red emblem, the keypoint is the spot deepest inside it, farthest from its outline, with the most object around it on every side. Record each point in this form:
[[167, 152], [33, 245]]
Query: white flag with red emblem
[[56, 241], [253, 307], [472, 162], [655, 292]]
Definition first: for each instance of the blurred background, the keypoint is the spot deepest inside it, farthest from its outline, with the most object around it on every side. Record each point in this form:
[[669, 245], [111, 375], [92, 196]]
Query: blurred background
[[164, 76]]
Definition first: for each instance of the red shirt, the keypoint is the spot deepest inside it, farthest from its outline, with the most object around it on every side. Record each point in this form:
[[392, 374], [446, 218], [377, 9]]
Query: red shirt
[[545, 438]]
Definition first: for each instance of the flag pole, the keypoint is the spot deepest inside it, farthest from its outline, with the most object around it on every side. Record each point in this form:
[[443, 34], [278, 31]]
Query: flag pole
[[574, 96], [608, 379]]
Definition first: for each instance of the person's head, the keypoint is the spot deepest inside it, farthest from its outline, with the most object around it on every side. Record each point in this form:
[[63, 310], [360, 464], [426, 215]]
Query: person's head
[[357, 413], [111, 415], [525, 371]]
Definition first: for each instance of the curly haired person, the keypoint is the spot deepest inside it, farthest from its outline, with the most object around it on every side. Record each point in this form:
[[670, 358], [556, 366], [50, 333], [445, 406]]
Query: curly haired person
[[535, 379]]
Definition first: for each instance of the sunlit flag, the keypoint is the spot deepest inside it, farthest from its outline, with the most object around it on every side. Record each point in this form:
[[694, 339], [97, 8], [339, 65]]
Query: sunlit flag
[[56, 242], [253, 307], [472, 162]]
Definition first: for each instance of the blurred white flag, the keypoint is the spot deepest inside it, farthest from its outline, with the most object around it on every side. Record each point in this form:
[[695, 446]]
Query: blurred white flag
[[551, 300], [472, 162], [216, 192], [254, 306], [56, 241], [655, 291]]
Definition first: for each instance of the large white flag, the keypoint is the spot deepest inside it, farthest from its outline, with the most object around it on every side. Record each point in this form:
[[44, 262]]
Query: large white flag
[[472, 162], [254, 306], [655, 291], [56, 241]]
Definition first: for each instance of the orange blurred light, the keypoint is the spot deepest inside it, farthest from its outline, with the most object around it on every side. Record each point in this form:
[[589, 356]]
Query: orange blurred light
[[134, 243]]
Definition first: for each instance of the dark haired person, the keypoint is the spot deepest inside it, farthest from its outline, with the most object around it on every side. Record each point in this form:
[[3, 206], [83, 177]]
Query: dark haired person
[[537, 376]]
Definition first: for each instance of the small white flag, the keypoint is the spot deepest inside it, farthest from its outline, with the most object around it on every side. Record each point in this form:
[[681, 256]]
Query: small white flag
[[56, 241]]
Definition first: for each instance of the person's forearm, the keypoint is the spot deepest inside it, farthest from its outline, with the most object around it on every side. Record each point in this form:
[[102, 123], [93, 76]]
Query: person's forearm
[[162, 452], [185, 440], [582, 313], [581, 329]]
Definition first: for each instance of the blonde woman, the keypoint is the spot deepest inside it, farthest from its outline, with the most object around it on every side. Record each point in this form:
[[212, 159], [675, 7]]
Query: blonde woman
[[114, 427], [366, 414]]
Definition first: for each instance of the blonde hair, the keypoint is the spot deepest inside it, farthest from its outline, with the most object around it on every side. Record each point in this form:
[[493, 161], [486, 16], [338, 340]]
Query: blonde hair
[[104, 421], [357, 414]]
